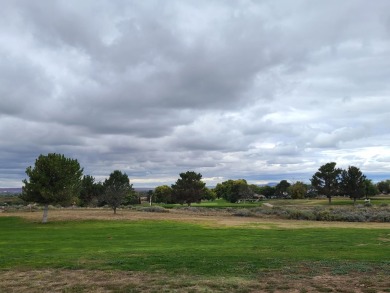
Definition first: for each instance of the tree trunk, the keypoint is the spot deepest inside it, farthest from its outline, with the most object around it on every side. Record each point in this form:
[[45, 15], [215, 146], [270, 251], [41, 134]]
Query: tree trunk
[[330, 199], [45, 212], [115, 210], [354, 201]]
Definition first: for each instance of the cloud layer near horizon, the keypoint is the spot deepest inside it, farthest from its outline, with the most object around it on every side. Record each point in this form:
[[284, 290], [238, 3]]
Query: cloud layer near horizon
[[264, 90]]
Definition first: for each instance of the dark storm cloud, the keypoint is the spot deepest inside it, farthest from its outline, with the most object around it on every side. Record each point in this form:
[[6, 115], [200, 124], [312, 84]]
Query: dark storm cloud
[[155, 88]]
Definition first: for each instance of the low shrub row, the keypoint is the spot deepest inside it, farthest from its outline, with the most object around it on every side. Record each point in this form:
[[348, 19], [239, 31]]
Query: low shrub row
[[355, 214], [153, 209], [358, 213]]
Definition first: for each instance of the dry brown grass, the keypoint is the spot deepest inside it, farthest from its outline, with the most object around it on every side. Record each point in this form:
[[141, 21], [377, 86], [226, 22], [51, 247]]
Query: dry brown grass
[[210, 218], [119, 281]]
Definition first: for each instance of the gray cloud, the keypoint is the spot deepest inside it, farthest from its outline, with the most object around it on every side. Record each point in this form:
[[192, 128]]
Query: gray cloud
[[262, 91]]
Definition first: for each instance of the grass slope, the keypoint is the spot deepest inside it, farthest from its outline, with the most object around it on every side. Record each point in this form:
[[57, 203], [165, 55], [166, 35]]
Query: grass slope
[[183, 248]]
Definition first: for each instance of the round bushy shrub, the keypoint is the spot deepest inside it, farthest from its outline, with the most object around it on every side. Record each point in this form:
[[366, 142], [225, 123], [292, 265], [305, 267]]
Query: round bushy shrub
[[381, 216], [243, 213], [300, 215], [153, 209]]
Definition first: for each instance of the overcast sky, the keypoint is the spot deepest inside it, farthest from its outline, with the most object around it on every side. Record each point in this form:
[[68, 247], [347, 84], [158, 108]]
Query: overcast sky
[[260, 90]]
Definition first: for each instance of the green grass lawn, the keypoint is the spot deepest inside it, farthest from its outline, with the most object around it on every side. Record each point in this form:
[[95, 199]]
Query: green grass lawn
[[336, 201], [175, 247], [218, 204]]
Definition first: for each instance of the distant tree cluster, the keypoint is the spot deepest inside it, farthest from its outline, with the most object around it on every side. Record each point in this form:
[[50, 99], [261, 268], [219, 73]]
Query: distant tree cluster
[[233, 190], [55, 179], [384, 186], [331, 181], [328, 181]]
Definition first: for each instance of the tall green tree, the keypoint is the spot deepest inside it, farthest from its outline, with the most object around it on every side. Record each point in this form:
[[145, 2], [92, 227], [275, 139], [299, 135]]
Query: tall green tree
[[383, 186], [222, 190], [370, 188], [267, 191], [162, 194], [255, 188], [54, 179], [234, 190], [90, 190], [116, 188], [282, 188], [188, 188], [298, 190], [353, 183], [326, 180], [209, 194]]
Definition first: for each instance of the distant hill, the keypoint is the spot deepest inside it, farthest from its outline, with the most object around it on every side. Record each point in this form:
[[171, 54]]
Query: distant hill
[[272, 184], [10, 190], [143, 189]]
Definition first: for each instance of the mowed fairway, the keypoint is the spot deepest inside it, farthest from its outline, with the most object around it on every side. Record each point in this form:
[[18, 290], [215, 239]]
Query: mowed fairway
[[174, 254]]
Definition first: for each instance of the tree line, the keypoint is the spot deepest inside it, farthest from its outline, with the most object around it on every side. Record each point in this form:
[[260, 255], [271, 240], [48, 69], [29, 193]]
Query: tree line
[[328, 181], [55, 179]]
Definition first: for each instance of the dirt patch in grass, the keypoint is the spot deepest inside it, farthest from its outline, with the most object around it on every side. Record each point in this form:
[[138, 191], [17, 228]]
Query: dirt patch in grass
[[204, 217], [118, 281]]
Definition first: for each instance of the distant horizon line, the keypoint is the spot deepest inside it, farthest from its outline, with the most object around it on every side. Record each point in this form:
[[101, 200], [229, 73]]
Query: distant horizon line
[[142, 188]]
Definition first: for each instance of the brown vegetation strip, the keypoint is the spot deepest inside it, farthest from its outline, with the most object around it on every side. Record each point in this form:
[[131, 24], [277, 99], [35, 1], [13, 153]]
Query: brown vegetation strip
[[215, 218], [117, 281]]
